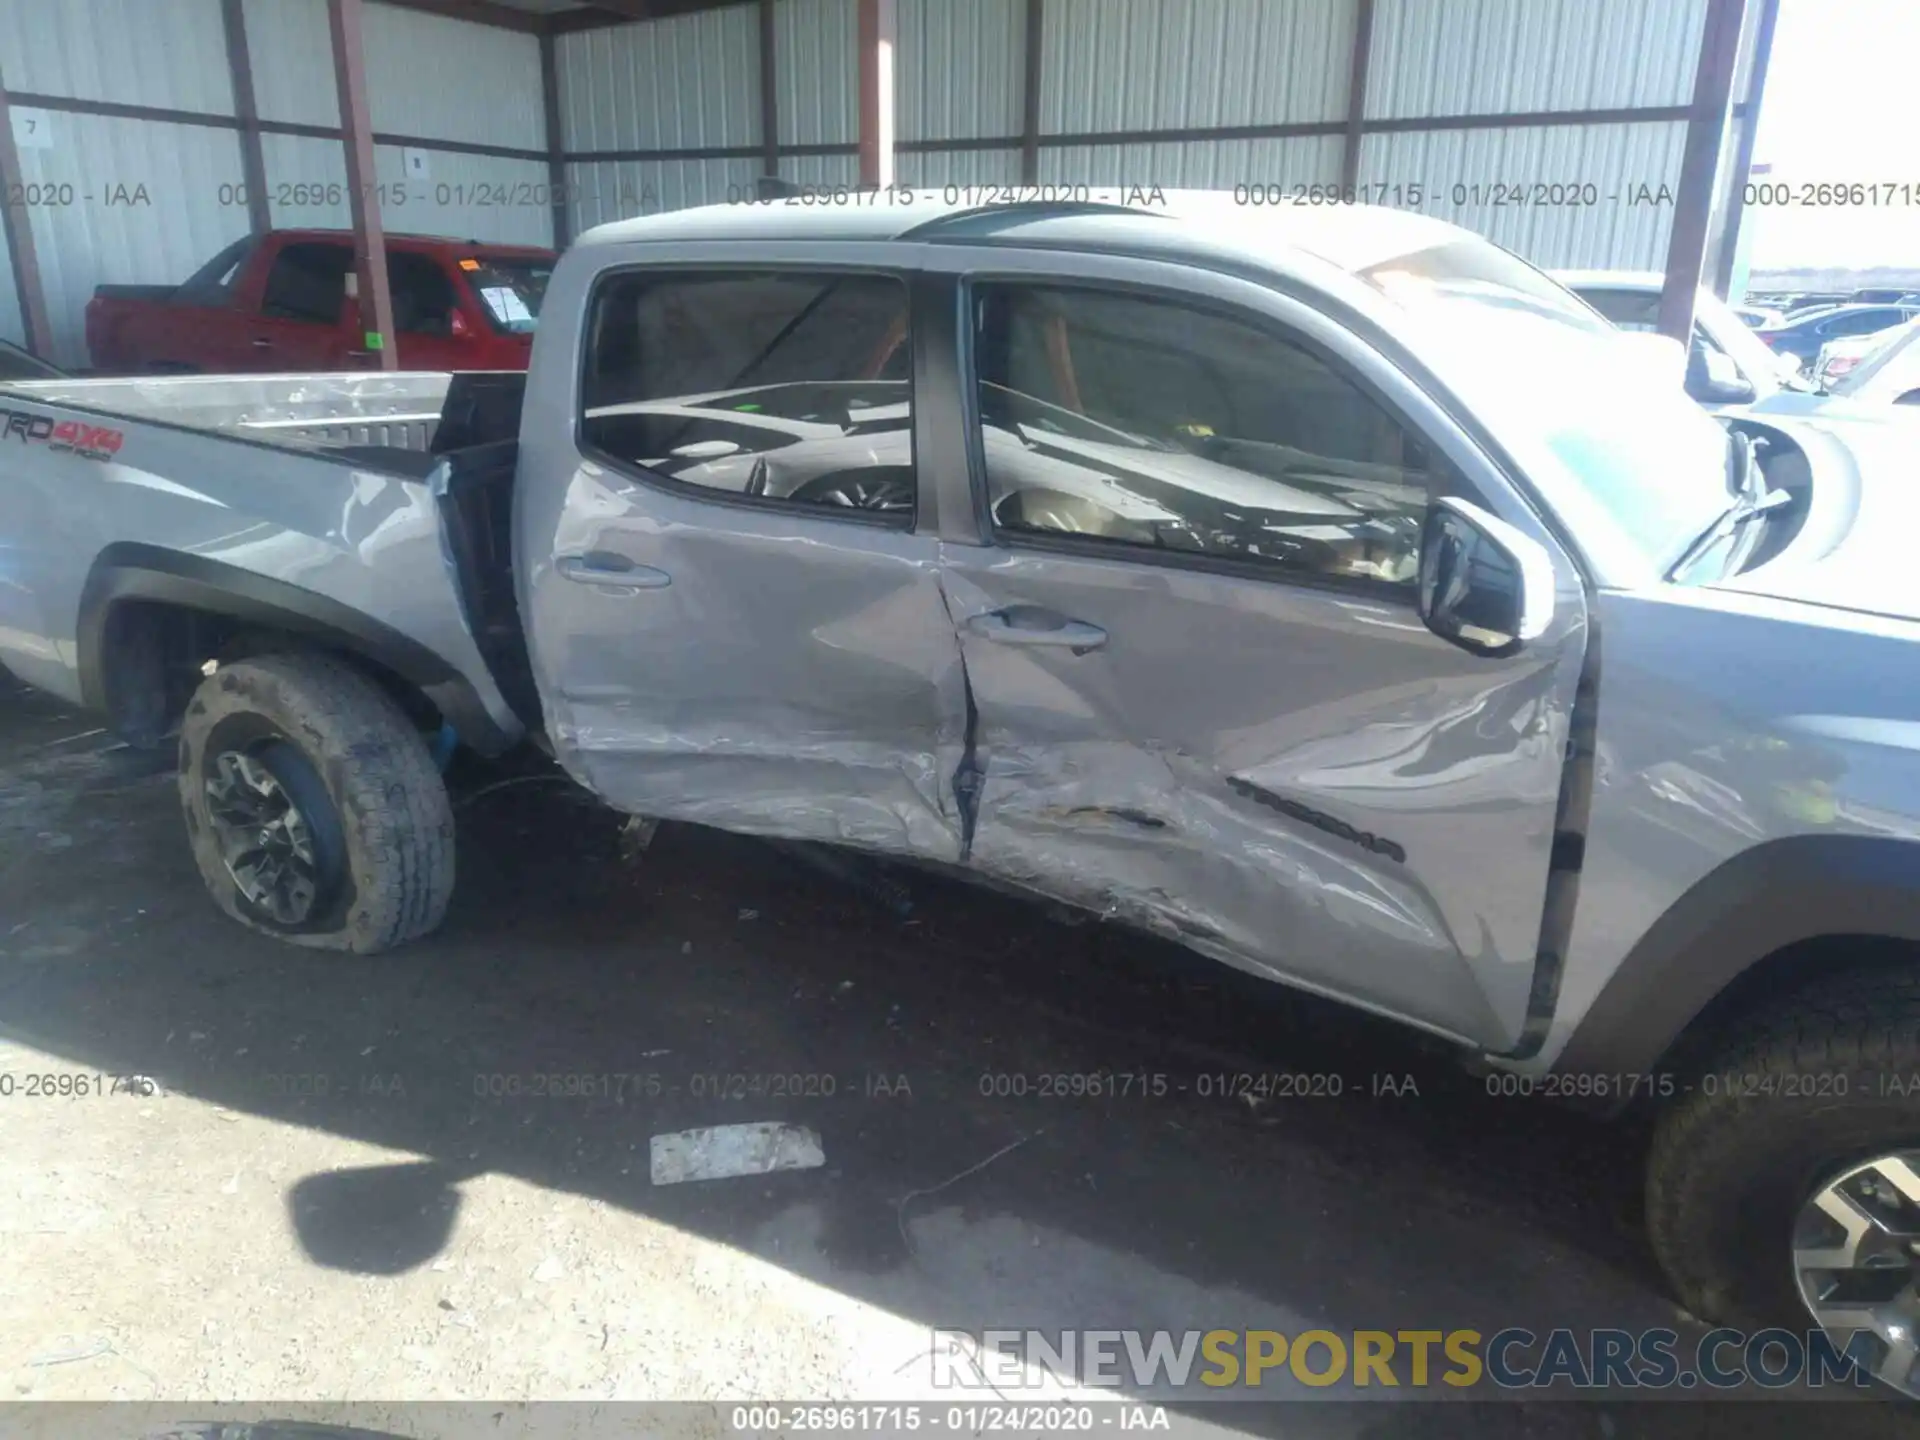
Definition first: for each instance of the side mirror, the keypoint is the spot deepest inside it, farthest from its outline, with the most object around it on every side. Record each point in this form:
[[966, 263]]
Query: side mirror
[[1713, 379], [1484, 585]]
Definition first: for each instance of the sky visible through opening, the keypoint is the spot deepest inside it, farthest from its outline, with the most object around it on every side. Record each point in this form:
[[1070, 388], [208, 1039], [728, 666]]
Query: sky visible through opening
[[1842, 103]]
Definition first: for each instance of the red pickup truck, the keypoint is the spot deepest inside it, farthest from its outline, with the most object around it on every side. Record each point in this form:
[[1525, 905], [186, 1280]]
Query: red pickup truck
[[279, 302]]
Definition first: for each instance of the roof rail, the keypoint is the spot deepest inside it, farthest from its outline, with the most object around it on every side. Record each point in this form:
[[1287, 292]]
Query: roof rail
[[1019, 210]]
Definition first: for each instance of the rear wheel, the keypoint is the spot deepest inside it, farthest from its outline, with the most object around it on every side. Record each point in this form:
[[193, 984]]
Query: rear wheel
[[1784, 1188], [313, 807]]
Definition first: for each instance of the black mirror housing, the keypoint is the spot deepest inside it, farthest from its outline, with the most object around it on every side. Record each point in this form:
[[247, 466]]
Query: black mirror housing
[[1484, 585]]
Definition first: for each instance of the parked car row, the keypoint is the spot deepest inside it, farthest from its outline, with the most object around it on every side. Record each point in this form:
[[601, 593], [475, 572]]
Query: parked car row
[[1801, 336]]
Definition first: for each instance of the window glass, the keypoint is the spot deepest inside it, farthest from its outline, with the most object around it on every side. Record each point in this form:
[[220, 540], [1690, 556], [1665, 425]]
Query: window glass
[[308, 282], [1628, 309], [787, 387], [423, 299], [1861, 322], [1152, 424], [510, 288]]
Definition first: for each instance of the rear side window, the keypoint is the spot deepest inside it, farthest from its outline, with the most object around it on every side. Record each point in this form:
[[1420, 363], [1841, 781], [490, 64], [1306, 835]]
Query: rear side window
[[308, 282], [787, 388], [1148, 424]]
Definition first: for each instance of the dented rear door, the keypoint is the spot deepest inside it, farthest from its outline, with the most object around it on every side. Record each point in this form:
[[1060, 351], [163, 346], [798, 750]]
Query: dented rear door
[[1205, 702], [734, 617]]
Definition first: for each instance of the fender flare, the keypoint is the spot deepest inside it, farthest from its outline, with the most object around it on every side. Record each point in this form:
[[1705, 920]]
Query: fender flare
[[1779, 893], [132, 571]]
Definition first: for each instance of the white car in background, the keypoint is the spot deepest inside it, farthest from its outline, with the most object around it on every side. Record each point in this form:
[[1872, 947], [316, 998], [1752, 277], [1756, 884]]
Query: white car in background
[[1729, 365], [1889, 374], [1838, 357]]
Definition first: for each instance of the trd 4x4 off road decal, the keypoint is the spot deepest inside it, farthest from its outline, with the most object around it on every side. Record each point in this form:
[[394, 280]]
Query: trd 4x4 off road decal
[[95, 442]]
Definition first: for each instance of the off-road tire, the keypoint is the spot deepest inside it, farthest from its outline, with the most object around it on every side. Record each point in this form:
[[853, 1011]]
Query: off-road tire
[[1731, 1163], [392, 823]]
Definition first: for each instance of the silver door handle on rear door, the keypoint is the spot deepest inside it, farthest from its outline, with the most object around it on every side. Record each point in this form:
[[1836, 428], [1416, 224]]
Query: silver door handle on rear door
[[1036, 625], [601, 568]]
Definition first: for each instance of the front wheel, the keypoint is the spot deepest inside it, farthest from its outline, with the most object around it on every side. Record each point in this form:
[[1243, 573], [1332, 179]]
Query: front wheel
[[313, 807], [1784, 1187]]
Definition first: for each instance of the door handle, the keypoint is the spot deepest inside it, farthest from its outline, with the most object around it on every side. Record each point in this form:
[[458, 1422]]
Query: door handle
[[601, 568], [260, 342], [1036, 625]]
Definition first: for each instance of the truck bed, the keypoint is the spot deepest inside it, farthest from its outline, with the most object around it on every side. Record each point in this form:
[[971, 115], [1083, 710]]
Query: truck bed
[[390, 410], [375, 499]]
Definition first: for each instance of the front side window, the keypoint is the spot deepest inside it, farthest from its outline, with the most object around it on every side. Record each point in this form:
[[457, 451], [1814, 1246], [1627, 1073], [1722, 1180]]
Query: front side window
[[1156, 425], [785, 387], [423, 298]]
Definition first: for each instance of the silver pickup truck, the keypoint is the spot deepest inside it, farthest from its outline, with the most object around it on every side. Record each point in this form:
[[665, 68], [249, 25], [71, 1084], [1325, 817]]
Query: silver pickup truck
[[1327, 590]]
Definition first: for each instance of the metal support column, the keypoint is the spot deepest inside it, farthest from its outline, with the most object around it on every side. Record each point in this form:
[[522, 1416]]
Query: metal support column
[[1706, 133], [769, 93], [1357, 94], [18, 223], [1736, 192], [1030, 94], [253, 164], [363, 197], [877, 36], [556, 149]]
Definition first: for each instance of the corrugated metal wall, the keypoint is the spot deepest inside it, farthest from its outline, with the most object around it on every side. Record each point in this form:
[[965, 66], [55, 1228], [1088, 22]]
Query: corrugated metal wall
[[164, 53], [1163, 64], [681, 84], [1485, 57], [121, 200]]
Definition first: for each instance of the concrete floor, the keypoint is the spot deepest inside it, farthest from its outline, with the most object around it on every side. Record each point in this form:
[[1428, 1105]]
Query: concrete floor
[[406, 1237]]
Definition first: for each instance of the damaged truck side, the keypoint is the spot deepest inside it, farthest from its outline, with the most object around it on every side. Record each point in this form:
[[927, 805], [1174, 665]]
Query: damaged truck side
[[1329, 592]]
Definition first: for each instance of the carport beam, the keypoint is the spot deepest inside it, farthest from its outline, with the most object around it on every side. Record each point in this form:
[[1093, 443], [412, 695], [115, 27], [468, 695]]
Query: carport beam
[[363, 200], [769, 91], [877, 32], [1743, 155], [556, 142], [19, 231], [253, 164], [1357, 95], [1034, 77], [1706, 133]]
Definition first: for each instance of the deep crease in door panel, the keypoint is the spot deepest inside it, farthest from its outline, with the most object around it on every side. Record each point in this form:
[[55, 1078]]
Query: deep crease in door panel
[[1081, 801]]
